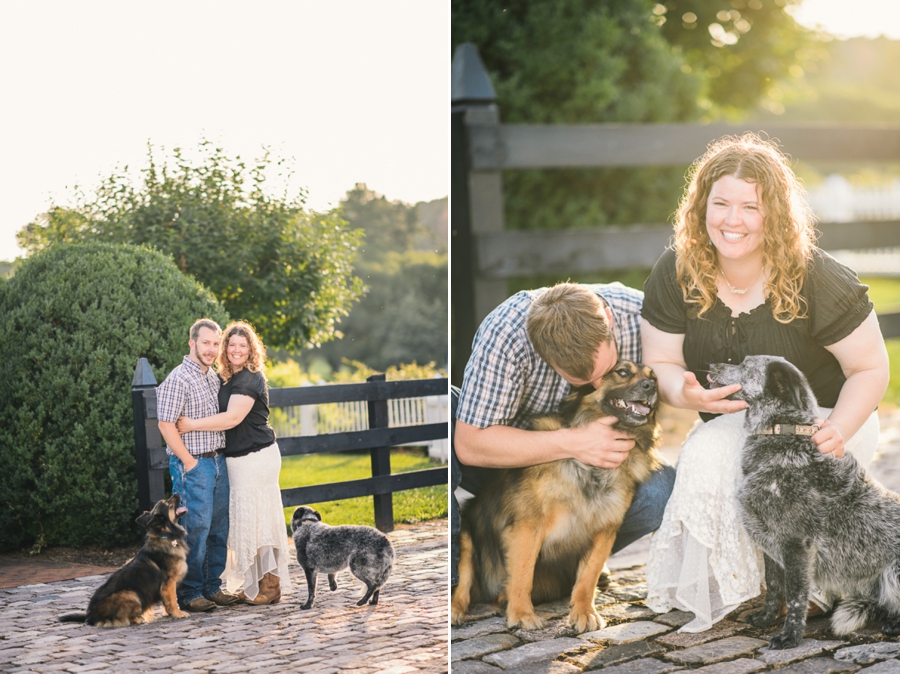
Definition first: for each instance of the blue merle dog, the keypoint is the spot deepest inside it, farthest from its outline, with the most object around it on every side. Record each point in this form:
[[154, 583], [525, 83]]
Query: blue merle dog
[[819, 520]]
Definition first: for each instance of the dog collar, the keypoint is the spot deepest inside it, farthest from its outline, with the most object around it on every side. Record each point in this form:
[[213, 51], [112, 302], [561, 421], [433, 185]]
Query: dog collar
[[165, 538], [790, 429]]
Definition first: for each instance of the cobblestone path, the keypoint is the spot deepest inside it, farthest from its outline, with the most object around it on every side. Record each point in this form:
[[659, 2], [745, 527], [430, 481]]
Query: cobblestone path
[[638, 641], [406, 632]]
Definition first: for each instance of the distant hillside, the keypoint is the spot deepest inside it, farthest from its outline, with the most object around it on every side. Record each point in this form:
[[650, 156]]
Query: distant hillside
[[5, 268], [858, 82]]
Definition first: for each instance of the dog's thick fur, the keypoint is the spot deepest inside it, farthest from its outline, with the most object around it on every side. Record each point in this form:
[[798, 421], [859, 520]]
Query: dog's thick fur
[[327, 549], [819, 520], [129, 595], [543, 532]]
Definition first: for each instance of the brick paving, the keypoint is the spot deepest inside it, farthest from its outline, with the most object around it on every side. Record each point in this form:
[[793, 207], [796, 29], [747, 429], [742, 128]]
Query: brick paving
[[405, 633], [637, 641]]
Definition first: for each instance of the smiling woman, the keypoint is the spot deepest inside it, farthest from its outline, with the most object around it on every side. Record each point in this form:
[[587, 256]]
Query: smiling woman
[[744, 279]]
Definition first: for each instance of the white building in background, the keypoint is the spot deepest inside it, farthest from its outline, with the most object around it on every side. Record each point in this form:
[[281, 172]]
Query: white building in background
[[837, 200]]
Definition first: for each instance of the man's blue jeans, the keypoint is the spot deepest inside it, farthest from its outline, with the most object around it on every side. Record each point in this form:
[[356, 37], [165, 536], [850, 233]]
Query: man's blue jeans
[[643, 517], [204, 492]]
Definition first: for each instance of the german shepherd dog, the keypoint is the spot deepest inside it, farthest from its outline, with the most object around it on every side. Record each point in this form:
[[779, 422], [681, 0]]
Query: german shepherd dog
[[129, 594], [539, 533], [818, 519]]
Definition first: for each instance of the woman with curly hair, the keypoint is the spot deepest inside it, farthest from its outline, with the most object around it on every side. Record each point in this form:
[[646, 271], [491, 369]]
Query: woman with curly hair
[[257, 539], [745, 277]]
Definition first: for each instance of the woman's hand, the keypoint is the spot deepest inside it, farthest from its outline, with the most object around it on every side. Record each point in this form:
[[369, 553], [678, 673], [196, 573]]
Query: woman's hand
[[712, 400], [184, 425], [829, 438]]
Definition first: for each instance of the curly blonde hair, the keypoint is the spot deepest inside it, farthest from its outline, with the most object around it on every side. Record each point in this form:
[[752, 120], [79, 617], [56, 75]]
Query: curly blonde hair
[[257, 357], [789, 224]]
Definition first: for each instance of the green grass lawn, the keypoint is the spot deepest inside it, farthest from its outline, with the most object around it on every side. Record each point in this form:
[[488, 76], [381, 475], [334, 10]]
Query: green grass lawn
[[885, 294], [412, 505]]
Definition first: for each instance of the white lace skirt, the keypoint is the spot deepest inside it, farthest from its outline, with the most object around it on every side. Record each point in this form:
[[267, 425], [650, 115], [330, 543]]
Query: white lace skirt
[[701, 559], [257, 536]]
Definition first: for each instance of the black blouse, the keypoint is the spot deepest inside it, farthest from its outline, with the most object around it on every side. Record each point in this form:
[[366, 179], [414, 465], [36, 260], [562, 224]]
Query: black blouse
[[838, 304], [254, 432]]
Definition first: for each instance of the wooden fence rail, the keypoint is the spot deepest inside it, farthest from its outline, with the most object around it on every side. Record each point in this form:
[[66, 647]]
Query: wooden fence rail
[[485, 254], [152, 460]]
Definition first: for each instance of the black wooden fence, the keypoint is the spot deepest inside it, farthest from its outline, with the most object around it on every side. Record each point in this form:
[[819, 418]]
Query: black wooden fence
[[486, 255], [152, 460]]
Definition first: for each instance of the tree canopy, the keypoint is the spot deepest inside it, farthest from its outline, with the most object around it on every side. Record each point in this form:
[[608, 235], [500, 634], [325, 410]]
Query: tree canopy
[[403, 262], [592, 61], [268, 259]]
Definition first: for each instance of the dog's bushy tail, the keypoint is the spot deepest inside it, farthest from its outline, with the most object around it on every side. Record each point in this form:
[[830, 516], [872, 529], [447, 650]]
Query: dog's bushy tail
[[73, 618], [855, 613]]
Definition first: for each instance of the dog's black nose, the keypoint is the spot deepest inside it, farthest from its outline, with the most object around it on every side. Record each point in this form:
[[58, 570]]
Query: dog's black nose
[[648, 385]]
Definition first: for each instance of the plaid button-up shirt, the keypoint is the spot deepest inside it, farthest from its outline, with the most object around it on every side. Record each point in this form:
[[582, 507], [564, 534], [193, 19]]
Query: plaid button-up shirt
[[188, 391], [506, 382]]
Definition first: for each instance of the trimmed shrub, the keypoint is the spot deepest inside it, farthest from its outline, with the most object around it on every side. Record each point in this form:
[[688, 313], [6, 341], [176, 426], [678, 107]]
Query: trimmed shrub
[[73, 322]]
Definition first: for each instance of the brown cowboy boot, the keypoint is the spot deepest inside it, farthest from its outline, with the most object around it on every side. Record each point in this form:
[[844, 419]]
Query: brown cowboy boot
[[271, 586], [269, 591], [260, 598]]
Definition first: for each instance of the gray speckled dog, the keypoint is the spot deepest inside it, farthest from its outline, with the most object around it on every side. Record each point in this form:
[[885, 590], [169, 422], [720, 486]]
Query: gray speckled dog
[[819, 520], [326, 549]]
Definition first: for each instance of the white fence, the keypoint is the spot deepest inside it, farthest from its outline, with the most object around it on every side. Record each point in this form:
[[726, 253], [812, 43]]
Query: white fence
[[838, 200], [354, 416]]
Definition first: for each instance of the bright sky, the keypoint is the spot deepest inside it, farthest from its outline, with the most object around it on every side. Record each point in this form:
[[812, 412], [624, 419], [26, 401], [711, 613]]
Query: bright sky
[[352, 91], [842, 18]]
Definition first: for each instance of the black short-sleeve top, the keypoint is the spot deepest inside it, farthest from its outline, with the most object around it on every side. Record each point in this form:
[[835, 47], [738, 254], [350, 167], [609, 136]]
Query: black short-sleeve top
[[837, 304], [254, 432]]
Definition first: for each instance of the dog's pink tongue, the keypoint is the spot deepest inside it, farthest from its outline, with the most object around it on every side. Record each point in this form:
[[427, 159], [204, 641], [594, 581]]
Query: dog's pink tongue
[[640, 409], [180, 510]]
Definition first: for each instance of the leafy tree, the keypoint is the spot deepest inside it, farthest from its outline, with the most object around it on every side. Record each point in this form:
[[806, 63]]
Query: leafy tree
[[390, 226], [74, 320], [857, 81], [745, 48], [403, 317], [271, 262], [592, 61], [581, 61]]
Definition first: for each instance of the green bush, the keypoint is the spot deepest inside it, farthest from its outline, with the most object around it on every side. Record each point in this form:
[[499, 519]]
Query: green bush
[[74, 320]]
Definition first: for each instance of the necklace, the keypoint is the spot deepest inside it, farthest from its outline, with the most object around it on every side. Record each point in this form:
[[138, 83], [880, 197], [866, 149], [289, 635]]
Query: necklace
[[740, 291]]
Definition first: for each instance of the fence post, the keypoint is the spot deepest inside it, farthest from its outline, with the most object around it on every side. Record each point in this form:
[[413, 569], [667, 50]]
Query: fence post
[[147, 439], [477, 198], [381, 461]]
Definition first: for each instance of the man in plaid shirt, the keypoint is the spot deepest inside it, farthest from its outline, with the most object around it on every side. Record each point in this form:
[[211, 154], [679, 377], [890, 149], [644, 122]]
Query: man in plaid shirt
[[526, 356], [197, 467]]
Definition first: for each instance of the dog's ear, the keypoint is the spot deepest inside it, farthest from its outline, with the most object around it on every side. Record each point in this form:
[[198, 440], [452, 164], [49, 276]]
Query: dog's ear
[[784, 383], [316, 513], [144, 518]]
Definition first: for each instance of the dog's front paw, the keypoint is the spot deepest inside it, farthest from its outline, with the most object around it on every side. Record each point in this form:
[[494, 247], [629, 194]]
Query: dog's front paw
[[457, 617], [785, 639], [458, 609], [332, 583], [586, 620], [761, 618], [180, 614], [525, 620], [307, 605]]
